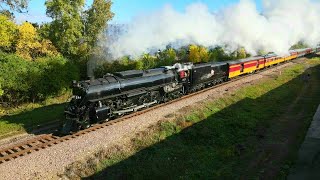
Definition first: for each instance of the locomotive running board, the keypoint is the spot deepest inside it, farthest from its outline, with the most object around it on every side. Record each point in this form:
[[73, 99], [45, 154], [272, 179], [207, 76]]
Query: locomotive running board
[[121, 112]]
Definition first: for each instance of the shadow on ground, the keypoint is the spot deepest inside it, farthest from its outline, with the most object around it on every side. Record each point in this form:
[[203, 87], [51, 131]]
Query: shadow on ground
[[36, 121], [223, 145]]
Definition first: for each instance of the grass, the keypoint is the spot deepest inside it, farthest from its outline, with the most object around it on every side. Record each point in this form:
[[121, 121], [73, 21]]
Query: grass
[[27, 117], [222, 138]]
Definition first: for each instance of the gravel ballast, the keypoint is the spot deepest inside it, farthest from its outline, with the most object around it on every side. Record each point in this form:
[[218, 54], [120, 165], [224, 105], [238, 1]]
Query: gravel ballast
[[49, 162]]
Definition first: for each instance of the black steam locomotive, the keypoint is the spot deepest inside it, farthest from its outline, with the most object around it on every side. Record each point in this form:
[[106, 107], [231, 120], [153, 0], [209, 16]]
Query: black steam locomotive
[[120, 93]]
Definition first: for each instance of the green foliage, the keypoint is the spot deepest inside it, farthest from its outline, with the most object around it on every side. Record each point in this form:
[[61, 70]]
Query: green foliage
[[218, 54], [66, 28], [166, 57], [299, 45], [34, 80], [96, 22], [123, 64], [183, 54], [44, 31], [148, 61], [241, 53], [75, 32], [1, 90], [262, 52]]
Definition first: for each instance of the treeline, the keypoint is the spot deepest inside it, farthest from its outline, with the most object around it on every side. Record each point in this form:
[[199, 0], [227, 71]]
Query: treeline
[[40, 61], [170, 56]]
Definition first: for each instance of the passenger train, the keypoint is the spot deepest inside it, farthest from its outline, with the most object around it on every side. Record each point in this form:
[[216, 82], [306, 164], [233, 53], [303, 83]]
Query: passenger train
[[124, 92]]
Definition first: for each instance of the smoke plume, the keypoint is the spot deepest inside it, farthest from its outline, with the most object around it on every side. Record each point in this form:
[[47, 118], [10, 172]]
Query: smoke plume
[[281, 24]]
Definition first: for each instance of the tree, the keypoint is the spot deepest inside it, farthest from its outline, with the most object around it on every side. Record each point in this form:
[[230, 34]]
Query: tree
[[166, 57], [194, 55], [171, 56], [47, 48], [27, 42], [66, 28], [8, 31], [30, 45], [14, 5], [198, 54], [75, 32], [299, 45], [8, 14], [218, 54], [262, 52], [96, 20], [241, 53], [1, 90], [148, 61], [204, 54], [95, 23], [183, 54]]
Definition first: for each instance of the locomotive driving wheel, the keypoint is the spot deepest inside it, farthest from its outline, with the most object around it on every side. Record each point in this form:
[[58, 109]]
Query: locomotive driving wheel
[[85, 121], [155, 96], [144, 99]]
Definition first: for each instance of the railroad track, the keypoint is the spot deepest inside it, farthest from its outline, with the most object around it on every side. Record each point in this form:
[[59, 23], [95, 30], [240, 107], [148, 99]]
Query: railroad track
[[48, 140]]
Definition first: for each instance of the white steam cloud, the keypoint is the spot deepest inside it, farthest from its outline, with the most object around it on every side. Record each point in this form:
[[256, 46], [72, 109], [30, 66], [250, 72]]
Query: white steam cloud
[[282, 24]]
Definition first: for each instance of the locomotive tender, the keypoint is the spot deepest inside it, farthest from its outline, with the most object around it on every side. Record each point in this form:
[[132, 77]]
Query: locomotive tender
[[120, 93]]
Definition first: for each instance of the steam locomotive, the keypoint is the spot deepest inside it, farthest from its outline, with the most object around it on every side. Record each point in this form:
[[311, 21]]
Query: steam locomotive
[[124, 92]]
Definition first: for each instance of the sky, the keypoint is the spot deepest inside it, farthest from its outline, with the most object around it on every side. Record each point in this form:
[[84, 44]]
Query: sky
[[126, 10]]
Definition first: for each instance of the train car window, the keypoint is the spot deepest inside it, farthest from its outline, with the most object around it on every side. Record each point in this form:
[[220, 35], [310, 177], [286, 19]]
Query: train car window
[[242, 68]]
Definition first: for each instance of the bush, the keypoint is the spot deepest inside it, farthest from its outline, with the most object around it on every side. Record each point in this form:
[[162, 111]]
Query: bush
[[24, 81]]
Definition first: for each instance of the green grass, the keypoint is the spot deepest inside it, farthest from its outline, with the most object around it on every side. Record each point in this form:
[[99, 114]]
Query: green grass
[[218, 139], [27, 117]]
